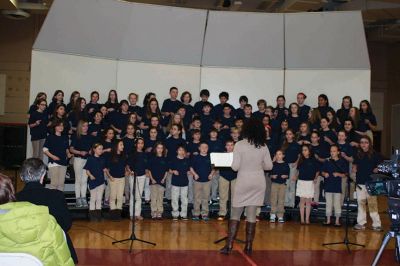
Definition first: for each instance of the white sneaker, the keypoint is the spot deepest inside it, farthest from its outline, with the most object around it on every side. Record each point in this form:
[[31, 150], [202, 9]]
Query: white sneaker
[[272, 218], [281, 220]]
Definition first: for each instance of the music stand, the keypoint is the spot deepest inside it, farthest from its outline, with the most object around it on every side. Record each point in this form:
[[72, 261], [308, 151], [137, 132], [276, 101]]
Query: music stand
[[133, 235]]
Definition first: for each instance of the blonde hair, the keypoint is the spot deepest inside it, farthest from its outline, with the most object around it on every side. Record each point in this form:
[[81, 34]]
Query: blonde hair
[[79, 128]]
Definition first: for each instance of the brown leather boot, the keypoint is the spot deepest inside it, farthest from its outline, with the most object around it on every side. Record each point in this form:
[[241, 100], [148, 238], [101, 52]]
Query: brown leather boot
[[232, 232], [250, 232]]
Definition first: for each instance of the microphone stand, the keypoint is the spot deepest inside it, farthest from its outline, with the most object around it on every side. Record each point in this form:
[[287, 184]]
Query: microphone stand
[[133, 235], [345, 241], [229, 216]]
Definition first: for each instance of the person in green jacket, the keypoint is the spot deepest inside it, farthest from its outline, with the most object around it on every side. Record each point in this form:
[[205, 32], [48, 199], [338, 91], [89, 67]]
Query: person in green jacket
[[28, 228]]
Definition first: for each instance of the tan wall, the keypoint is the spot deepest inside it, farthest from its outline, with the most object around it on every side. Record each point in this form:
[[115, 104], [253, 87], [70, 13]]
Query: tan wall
[[16, 41]]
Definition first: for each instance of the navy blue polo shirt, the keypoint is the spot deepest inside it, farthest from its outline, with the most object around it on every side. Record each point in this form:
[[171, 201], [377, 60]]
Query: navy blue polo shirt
[[98, 128], [32, 109], [280, 169], [182, 166], [342, 114], [333, 184], [239, 113], [96, 107], [362, 126], [39, 131], [84, 143], [198, 107], [215, 145], [304, 138], [206, 123], [227, 173], [129, 146], [308, 169], [303, 112], [136, 109], [230, 122], [149, 143], [119, 120], [258, 115], [347, 149], [158, 166], [116, 167], [330, 134], [57, 146], [322, 150], [323, 110], [281, 113], [365, 166], [138, 163], [95, 165], [294, 122], [52, 106], [271, 146], [189, 112], [74, 118], [292, 152], [218, 110], [170, 106], [172, 144], [202, 166], [193, 148], [107, 145]]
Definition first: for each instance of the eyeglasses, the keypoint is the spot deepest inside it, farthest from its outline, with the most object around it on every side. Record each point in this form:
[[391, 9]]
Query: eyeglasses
[[367, 142], [42, 104]]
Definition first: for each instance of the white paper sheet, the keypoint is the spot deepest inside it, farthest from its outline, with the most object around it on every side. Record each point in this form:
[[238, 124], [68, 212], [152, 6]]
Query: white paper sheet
[[221, 159]]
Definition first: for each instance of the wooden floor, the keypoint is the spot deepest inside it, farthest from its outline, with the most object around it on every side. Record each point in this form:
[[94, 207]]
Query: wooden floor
[[191, 243]]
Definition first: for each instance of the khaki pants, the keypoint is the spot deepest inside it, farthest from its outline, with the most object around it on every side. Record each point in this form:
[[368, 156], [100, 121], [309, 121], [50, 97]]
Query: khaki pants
[[278, 199], [140, 180], [96, 196], [116, 193], [333, 200], [214, 186], [290, 194], [37, 148], [201, 197], [157, 197], [57, 177], [81, 178], [268, 183], [176, 193], [224, 194], [362, 199]]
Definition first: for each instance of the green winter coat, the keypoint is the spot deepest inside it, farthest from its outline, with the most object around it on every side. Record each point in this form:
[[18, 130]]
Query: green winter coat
[[29, 228]]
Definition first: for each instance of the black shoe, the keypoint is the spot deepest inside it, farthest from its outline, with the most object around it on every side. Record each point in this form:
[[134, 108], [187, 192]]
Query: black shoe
[[232, 232], [250, 233]]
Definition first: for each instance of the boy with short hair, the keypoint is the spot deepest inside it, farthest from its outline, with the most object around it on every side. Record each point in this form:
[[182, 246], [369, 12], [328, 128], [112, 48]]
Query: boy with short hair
[[170, 106], [202, 172], [198, 106]]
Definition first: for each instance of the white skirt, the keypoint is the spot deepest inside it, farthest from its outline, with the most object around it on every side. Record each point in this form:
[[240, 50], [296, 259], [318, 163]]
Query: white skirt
[[305, 189]]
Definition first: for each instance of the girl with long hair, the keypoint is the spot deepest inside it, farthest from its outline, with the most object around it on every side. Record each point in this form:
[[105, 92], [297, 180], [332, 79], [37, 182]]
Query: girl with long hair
[[81, 145]]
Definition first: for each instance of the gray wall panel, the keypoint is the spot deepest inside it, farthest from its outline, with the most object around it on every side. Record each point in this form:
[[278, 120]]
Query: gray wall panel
[[241, 39], [90, 27], [329, 40], [164, 34]]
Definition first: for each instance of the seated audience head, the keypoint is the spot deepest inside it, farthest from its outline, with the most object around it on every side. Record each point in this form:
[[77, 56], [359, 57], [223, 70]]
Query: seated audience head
[[7, 193], [33, 170]]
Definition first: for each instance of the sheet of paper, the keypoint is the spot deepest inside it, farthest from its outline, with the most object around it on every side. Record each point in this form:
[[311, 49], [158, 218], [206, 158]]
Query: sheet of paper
[[219, 159]]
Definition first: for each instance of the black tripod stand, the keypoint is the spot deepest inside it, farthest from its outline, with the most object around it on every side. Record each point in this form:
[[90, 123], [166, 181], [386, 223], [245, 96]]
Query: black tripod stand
[[393, 233], [346, 241], [133, 236], [229, 215]]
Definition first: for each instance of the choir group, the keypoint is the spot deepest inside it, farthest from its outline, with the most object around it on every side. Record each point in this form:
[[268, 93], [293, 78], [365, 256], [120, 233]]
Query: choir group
[[166, 151]]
